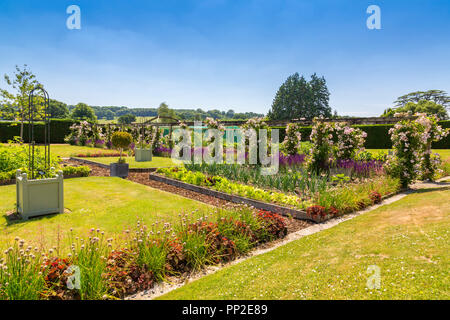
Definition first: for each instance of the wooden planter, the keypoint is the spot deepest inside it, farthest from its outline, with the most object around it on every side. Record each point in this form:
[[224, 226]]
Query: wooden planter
[[141, 155], [39, 197]]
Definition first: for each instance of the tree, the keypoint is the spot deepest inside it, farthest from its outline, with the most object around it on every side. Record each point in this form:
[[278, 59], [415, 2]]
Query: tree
[[58, 109], [298, 98], [423, 106], [165, 111], [16, 104], [83, 112], [230, 114], [109, 115], [126, 119], [438, 96]]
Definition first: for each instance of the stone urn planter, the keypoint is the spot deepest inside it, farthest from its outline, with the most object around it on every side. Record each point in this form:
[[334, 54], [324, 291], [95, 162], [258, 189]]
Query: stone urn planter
[[39, 197], [118, 170], [142, 154]]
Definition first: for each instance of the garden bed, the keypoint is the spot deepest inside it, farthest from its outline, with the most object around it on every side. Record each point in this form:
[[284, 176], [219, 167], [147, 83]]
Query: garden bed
[[138, 259], [289, 212], [331, 201]]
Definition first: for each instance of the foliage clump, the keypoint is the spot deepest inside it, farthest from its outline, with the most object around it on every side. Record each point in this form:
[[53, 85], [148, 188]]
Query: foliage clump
[[121, 140]]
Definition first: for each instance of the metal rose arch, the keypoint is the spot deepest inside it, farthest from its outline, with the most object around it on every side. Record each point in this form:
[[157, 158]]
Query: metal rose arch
[[40, 190], [33, 115]]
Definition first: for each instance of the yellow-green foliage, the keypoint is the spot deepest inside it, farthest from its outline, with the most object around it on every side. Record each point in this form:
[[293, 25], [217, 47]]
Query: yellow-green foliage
[[121, 140]]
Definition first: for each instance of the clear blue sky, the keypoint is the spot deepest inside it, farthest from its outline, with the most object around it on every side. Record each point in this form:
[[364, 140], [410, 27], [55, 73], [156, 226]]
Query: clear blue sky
[[227, 54]]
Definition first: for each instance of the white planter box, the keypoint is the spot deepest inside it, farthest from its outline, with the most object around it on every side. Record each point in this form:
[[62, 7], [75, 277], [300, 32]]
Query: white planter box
[[39, 197], [143, 154]]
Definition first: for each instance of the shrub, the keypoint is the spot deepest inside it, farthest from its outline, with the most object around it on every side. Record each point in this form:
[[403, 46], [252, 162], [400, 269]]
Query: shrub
[[121, 140], [316, 212], [15, 156], [320, 154], [292, 141], [273, 224], [375, 197], [349, 141], [407, 143], [81, 171], [125, 276], [56, 278], [432, 132]]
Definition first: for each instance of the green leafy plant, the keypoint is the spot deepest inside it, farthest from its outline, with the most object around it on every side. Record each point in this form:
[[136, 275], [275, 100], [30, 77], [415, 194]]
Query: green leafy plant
[[121, 140], [340, 178]]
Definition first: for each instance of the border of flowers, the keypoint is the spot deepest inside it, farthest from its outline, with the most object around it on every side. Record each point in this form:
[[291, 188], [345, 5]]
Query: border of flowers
[[285, 211]]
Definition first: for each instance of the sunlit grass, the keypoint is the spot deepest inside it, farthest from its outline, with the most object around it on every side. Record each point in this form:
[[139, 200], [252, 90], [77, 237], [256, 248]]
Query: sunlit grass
[[408, 240], [111, 204]]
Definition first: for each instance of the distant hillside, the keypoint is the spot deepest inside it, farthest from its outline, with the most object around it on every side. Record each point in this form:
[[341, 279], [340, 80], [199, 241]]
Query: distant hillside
[[112, 112]]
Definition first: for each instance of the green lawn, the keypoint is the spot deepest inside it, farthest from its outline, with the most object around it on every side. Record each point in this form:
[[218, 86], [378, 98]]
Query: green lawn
[[157, 162], [111, 204], [67, 150], [408, 240], [445, 153]]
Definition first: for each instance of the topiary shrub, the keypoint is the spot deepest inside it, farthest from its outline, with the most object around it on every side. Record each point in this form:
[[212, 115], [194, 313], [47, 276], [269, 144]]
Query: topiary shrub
[[121, 140]]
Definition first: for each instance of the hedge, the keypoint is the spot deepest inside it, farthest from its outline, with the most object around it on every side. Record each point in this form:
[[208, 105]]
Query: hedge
[[377, 135], [59, 128]]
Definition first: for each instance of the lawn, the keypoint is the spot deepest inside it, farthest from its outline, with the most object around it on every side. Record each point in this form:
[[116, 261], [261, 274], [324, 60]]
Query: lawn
[[445, 153], [67, 150], [408, 240], [111, 204], [157, 162]]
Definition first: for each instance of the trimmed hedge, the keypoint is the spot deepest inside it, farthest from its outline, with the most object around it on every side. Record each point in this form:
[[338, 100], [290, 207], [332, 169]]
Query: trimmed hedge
[[377, 135], [59, 128]]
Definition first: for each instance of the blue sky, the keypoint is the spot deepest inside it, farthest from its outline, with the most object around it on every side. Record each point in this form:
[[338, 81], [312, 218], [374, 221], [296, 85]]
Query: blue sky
[[227, 54]]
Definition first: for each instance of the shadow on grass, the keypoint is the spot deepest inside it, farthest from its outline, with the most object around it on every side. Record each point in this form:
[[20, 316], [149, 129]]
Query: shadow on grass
[[426, 190], [13, 218]]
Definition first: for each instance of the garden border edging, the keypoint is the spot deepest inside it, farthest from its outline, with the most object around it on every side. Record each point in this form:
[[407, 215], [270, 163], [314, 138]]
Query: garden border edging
[[288, 212], [107, 166]]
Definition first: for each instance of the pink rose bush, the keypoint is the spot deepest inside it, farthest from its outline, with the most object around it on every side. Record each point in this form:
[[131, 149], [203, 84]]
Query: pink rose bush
[[292, 141], [432, 132], [332, 142], [411, 143], [320, 154], [350, 141]]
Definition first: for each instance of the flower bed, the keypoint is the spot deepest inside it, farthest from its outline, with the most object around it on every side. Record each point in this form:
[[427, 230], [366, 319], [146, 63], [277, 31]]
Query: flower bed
[[93, 269], [15, 156], [336, 200]]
